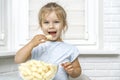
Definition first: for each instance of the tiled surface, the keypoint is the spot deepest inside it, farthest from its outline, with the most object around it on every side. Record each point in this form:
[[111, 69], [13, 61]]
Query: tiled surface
[[10, 76], [7, 64], [15, 76]]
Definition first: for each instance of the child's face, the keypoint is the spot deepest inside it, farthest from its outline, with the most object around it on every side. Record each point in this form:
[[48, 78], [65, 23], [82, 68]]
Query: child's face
[[53, 26]]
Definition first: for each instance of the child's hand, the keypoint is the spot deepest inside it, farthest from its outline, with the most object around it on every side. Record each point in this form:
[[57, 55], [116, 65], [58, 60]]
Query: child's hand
[[38, 39], [68, 67]]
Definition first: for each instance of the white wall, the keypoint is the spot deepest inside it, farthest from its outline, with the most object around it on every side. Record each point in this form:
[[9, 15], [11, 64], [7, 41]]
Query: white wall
[[97, 67], [106, 67], [101, 67], [112, 24]]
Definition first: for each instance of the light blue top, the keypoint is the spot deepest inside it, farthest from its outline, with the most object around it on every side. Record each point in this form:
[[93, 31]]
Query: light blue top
[[56, 53]]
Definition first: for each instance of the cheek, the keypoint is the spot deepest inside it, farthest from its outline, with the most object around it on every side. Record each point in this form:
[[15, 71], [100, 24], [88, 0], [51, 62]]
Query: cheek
[[59, 31], [44, 29], [60, 26]]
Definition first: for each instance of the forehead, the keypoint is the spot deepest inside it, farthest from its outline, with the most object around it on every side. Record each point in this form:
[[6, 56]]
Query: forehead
[[50, 15]]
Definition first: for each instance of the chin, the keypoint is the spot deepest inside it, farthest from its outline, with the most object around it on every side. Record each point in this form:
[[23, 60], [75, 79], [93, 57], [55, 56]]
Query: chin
[[54, 39]]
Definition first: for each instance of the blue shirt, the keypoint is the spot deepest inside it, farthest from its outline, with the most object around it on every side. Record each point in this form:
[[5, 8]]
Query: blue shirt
[[56, 53]]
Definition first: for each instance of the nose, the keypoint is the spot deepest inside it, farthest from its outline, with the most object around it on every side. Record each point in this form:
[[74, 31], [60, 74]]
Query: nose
[[51, 25]]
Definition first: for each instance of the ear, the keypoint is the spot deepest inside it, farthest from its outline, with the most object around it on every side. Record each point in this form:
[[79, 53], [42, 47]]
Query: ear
[[65, 27]]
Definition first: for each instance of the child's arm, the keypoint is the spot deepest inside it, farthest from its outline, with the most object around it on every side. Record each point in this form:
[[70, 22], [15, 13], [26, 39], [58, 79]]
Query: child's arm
[[73, 69], [25, 53]]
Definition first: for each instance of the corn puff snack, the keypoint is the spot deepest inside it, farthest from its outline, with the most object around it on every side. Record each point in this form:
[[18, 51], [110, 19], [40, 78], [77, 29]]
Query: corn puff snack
[[49, 37], [37, 70]]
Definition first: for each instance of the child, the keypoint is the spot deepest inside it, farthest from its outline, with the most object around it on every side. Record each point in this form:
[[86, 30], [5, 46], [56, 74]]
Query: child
[[52, 19]]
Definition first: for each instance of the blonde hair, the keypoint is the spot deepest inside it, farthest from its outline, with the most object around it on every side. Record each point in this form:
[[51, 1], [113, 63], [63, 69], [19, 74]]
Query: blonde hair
[[48, 8]]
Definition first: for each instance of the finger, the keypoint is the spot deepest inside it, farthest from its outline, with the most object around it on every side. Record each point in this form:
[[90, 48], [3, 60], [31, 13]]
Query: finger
[[69, 67], [41, 38], [70, 70], [66, 64], [62, 64]]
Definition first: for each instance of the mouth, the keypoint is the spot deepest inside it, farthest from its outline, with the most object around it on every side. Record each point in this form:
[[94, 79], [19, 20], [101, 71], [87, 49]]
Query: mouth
[[53, 33]]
